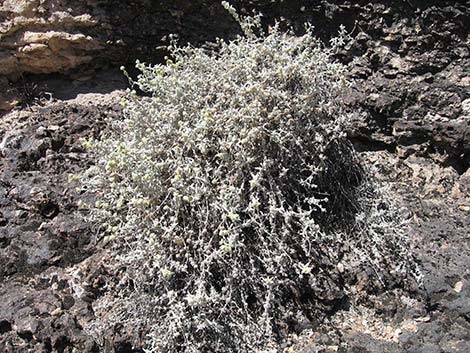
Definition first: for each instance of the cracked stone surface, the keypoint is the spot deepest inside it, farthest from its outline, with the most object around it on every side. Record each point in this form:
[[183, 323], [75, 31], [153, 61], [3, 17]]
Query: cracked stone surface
[[411, 63]]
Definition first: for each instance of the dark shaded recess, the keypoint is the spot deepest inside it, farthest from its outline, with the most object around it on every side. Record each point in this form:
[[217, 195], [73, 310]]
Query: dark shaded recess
[[3, 220], [340, 182], [26, 335], [47, 345], [126, 347], [61, 344], [49, 209], [142, 27], [361, 144], [4, 242], [5, 326], [40, 88]]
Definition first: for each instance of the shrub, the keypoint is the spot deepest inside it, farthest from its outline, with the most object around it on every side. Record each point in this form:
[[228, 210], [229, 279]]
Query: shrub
[[232, 195]]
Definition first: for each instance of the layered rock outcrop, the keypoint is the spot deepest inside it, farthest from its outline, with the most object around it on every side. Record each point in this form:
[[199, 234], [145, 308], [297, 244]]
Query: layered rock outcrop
[[50, 36], [44, 37]]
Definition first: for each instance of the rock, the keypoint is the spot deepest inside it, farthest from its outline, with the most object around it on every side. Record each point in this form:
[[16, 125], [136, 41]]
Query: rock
[[466, 106], [458, 286], [411, 63], [25, 8], [42, 228], [59, 36]]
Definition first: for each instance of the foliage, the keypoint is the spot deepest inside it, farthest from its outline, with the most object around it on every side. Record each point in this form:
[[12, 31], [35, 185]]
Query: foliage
[[231, 195]]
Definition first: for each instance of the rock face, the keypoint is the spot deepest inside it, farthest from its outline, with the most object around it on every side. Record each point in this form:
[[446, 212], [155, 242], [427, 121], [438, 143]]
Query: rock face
[[412, 66], [411, 63], [44, 37], [49, 36], [411, 59], [54, 268], [46, 248]]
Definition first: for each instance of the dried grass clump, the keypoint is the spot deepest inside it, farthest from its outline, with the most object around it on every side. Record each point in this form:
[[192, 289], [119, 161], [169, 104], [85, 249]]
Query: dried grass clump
[[232, 195]]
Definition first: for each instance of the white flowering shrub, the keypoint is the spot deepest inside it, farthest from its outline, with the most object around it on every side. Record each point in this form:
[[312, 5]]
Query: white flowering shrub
[[230, 194]]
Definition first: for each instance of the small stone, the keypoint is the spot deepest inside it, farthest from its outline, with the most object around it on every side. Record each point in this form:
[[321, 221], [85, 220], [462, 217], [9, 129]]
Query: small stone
[[43, 226], [41, 132], [423, 319], [409, 326], [68, 302], [464, 208], [29, 326], [57, 312], [458, 286], [390, 73], [53, 127]]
